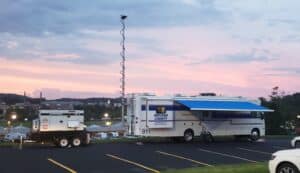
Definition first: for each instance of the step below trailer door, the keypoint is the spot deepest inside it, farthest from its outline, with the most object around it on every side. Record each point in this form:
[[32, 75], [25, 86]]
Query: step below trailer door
[[159, 113]]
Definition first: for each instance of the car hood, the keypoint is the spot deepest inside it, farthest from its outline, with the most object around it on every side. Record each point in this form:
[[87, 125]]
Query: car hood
[[290, 152]]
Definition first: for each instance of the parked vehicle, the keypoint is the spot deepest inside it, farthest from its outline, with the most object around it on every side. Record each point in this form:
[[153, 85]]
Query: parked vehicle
[[295, 142], [61, 127], [297, 125], [180, 116], [12, 137], [285, 161]]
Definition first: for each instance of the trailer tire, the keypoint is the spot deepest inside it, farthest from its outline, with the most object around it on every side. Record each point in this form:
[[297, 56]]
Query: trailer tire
[[76, 142], [255, 135], [63, 142], [188, 135]]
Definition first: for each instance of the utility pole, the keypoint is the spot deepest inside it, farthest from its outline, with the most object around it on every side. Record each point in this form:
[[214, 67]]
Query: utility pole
[[122, 32]]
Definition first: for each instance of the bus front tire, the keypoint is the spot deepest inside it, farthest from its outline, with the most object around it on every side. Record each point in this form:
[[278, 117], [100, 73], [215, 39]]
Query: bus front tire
[[188, 135], [255, 135]]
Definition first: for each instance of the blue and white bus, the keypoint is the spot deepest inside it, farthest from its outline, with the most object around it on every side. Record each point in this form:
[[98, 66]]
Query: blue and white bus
[[187, 117]]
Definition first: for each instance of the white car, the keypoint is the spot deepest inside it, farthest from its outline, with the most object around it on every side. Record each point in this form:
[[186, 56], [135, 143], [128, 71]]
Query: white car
[[295, 143], [285, 161]]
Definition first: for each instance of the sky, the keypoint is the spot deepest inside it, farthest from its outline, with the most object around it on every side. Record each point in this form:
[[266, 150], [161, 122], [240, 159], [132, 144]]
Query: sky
[[72, 48]]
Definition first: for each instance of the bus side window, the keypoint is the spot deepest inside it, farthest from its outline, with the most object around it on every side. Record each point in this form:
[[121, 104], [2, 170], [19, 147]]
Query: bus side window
[[258, 115], [262, 115]]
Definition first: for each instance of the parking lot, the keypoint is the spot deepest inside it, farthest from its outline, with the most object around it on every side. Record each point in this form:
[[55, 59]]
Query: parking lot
[[135, 157]]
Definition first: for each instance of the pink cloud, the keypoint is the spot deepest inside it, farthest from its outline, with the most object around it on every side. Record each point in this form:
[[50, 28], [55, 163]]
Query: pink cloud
[[173, 64]]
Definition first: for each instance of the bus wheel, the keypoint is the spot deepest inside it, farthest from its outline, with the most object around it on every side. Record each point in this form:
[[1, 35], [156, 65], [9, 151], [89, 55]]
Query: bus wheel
[[254, 135], [63, 142], [188, 135]]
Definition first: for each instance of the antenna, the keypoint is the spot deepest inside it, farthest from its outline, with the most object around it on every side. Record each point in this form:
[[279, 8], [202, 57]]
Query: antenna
[[122, 53]]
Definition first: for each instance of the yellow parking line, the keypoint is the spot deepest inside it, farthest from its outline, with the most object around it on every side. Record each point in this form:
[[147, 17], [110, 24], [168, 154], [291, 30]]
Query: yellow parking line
[[255, 151], [228, 155], [61, 165], [133, 163], [184, 158]]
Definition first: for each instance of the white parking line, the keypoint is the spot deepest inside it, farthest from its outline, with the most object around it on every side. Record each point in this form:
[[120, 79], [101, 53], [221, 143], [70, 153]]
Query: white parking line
[[255, 151], [133, 163], [227, 155], [183, 158]]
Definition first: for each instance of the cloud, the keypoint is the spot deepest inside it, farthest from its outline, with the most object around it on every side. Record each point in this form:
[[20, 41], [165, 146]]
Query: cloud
[[63, 17], [285, 71], [255, 55], [54, 93]]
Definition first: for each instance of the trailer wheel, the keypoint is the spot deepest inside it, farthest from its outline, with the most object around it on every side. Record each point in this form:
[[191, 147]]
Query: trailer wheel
[[188, 135], [63, 142], [255, 135], [76, 142]]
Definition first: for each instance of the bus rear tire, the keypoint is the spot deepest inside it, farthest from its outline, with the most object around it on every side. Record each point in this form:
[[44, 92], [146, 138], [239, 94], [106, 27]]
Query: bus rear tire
[[188, 135], [255, 135]]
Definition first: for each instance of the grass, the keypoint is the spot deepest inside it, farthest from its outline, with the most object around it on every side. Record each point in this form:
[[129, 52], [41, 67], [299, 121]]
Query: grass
[[240, 168], [8, 144]]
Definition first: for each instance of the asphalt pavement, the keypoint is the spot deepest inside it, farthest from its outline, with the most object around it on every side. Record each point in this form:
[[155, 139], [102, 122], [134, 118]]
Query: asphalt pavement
[[135, 157]]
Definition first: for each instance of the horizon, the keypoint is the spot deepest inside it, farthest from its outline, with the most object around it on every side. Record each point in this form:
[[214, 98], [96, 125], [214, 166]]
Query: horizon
[[71, 49]]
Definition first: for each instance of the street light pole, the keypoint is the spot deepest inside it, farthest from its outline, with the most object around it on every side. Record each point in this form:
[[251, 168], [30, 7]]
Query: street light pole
[[122, 32]]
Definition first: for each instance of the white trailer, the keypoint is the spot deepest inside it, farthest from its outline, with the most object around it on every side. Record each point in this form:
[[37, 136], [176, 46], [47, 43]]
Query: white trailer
[[62, 127], [180, 116]]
